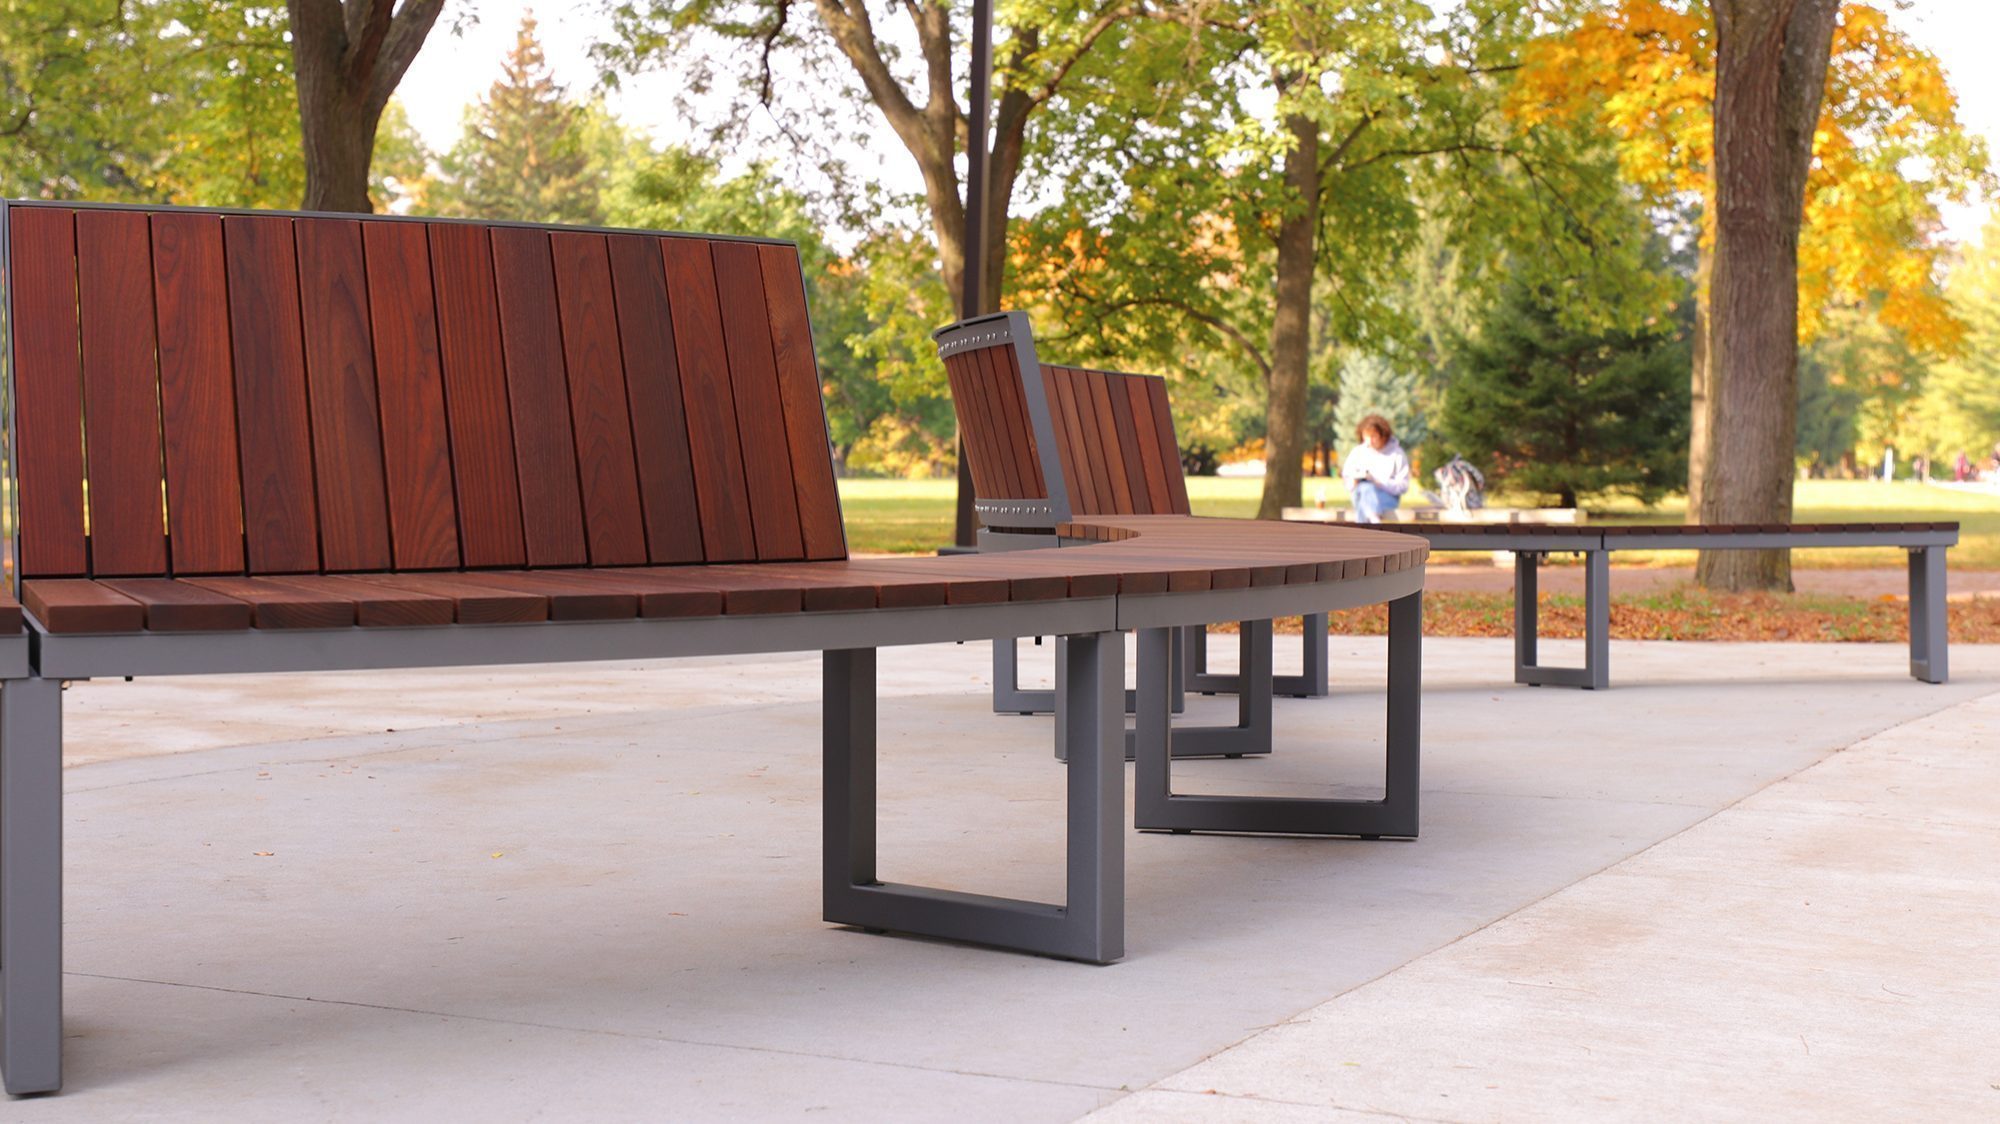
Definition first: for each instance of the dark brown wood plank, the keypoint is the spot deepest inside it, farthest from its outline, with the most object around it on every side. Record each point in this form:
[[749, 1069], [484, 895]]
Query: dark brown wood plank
[[475, 396], [653, 391], [376, 605], [538, 398], [121, 393], [1104, 499], [975, 427], [1066, 452], [657, 597], [1128, 441], [805, 408], [11, 622], [1107, 434], [176, 606], [340, 395], [714, 447], [76, 605], [1020, 428], [416, 448], [741, 592], [197, 399], [1007, 448], [614, 528], [276, 603], [472, 602], [1146, 458], [1081, 479], [48, 394], [572, 595], [1163, 421], [760, 411], [274, 438]]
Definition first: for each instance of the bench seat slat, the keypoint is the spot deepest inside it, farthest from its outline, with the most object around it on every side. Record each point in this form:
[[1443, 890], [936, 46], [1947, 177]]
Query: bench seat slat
[[277, 604], [375, 605], [81, 605], [472, 603], [177, 606]]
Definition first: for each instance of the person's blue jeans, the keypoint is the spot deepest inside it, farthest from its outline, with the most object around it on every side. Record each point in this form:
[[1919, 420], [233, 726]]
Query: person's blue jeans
[[1370, 501]]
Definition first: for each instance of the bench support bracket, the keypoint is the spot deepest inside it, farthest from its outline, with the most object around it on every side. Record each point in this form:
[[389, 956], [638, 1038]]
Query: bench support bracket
[[1158, 808], [1927, 615], [31, 885], [1009, 697], [1249, 737], [1310, 683], [1090, 925], [1595, 674]]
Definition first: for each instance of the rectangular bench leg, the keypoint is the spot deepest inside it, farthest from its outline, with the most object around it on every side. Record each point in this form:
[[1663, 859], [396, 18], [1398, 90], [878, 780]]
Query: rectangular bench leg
[[1158, 808], [1929, 661], [1090, 925], [1009, 697], [31, 885], [1310, 683], [1595, 674], [1250, 736]]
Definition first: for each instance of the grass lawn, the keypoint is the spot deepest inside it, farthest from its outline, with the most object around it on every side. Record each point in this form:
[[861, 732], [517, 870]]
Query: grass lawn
[[914, 516]]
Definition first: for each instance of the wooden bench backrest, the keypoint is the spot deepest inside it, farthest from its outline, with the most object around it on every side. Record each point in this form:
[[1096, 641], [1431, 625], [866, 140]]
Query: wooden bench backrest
[[1113, 433], [203, 392]]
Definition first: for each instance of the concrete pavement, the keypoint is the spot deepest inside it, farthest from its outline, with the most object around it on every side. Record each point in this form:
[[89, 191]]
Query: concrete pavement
[[591, 892]]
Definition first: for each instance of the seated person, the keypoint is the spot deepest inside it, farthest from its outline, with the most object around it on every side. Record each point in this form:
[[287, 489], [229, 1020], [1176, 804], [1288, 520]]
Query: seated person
[[1377, 473]]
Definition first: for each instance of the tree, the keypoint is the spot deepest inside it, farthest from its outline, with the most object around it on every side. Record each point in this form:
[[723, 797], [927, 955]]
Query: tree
[[1570, 412], [1887, 150], [1370, 384], [1960, 405], [347, 57], [523, 154]]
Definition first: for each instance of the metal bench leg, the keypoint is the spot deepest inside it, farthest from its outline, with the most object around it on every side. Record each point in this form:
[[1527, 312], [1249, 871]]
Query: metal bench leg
[[1157, 808], [31, 885], [1928, 659], [1250, 736], [1310, 683], [1090, 925], [1009, 697], [1595, 674]]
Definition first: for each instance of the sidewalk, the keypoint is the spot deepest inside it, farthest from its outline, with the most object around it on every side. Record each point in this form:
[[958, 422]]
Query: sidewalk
[[598, 898]]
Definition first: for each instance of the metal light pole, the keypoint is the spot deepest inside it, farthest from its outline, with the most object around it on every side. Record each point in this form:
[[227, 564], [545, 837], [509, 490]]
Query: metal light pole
[[973, 301]]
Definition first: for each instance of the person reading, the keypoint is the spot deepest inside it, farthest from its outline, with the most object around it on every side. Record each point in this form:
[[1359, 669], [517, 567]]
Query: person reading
[[1377, 472]]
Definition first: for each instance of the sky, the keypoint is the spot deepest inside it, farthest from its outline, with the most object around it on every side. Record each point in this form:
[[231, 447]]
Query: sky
[[451, 73]]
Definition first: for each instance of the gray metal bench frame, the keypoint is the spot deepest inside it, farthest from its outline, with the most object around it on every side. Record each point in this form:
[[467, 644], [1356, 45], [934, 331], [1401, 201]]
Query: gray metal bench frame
[[1929, 655]]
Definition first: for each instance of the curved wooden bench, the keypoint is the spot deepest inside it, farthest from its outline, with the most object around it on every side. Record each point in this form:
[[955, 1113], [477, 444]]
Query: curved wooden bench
[[261, 442], [1046, 441]]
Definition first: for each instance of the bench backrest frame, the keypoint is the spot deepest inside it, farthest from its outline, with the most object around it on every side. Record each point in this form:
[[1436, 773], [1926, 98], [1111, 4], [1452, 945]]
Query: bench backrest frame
[[1008, 333]]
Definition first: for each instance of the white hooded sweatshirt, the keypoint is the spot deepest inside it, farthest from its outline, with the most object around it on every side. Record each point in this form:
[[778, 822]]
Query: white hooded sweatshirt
[[1388, 467]]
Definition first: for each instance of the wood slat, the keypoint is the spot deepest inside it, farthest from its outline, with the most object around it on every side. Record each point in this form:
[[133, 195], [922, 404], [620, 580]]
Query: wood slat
[[176, 606], [741, 593], [80, 605], [472, 602], [121, 393], [974, 428], [11, 622], [1115, 463], [1128, 451], [416, 449], [274, 438], [276, 603], [571, 595], [538, 398], [1151, 461], [1066, 451], [48, 390], [1104, 498], [1069, 429], [376, 605], [340, 395], [197, 398], [805, 408], [475, 396], [653, 393], [1163, 422], [1007, 439], [614, 528], [760, 410], [657, 598], [1020, 430], [714, 447]]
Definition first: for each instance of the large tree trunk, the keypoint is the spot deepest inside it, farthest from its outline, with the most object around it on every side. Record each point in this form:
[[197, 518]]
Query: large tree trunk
[[1291, 324], [1770, 76], [347, 59], [1701, 416]]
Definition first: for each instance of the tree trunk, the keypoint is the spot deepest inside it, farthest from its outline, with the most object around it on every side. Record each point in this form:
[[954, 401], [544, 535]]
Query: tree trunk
[[1770, 76], [1699, 402], [347, 59], [1291, 324]]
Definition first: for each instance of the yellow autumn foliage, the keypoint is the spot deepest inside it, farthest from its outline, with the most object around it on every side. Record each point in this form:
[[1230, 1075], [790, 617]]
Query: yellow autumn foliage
[[1888, 149]]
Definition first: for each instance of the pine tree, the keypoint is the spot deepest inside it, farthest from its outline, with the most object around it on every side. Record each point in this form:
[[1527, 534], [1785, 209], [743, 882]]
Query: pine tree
[[523, 154], [1369, 384], [1568, 412]]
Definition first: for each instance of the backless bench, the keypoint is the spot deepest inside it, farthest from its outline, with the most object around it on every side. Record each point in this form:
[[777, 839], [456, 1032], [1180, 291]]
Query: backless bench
[[263, 442], [1925, 544]]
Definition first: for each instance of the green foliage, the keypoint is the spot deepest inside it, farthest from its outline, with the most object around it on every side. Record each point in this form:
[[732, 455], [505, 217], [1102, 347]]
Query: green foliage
[[1569, 412], [1960, 405], [1370, 384], [523, 154]]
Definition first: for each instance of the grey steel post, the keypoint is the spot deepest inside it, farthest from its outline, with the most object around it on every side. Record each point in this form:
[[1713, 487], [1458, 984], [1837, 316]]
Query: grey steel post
[[1527, 612], [1928, 659], [1310, 683], [31, 885], [1009, 697], [1090, 925], [1597, 619], [1156, 807], [1595, 674]]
